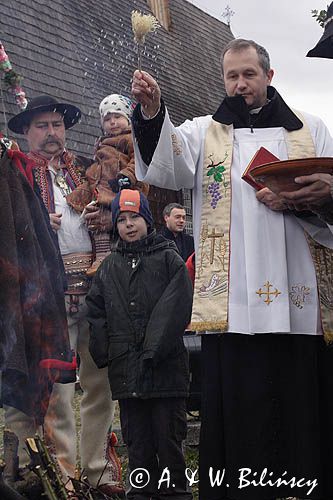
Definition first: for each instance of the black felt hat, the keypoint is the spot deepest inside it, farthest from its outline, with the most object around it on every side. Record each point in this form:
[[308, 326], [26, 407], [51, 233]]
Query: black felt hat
[[324, 47], [42, 104]]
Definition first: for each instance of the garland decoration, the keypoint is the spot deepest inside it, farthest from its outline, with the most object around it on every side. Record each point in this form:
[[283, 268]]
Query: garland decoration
[[12, 80]]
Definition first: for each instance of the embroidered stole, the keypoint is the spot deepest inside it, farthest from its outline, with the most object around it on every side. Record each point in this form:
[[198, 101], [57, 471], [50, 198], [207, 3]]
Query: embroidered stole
[[322, 257], [210, 303], [211, 291]]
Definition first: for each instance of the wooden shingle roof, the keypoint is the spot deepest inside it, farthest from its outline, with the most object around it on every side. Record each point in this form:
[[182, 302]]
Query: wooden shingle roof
[[81, 50]]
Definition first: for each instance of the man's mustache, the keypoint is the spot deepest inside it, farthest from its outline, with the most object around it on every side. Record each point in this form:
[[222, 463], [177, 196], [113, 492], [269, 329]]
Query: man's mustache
[[52, 140]]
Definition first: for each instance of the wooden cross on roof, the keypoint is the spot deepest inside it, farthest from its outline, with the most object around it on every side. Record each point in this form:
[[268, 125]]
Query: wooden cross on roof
[[227, 14]]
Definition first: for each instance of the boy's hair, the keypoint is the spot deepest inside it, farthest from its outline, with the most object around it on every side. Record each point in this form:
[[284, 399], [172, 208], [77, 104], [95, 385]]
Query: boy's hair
[[129, 200], [116, 103]]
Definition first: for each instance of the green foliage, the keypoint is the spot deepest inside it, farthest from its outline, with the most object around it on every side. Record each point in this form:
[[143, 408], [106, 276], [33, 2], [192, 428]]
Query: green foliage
[[320, 16], [11, 79]]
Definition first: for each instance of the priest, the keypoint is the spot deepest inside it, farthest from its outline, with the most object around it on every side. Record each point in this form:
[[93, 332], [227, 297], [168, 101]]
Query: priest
[[264, 281]]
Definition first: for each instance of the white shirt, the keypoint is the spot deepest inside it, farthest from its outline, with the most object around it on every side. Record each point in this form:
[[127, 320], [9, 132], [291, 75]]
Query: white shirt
[[73, 234]]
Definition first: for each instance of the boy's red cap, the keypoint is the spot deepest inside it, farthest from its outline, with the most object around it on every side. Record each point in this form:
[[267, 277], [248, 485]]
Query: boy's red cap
[[129, 200]]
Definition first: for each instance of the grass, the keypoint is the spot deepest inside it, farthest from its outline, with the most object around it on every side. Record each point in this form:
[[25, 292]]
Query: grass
[[191, 452]]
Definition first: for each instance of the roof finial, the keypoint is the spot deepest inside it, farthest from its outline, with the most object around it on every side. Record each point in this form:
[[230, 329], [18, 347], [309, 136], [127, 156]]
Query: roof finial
[[228, 13]]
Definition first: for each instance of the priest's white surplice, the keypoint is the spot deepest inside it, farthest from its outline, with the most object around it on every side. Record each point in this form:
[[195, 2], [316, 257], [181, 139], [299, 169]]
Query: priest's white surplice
[[266, 246]]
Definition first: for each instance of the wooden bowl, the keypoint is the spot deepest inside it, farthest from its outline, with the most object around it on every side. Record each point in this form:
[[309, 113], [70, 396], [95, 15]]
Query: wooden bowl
[[279, 176]]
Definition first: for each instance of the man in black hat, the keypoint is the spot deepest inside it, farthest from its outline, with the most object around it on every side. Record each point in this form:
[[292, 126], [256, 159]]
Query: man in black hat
[[57, 172], [34, 344], [324, 47]]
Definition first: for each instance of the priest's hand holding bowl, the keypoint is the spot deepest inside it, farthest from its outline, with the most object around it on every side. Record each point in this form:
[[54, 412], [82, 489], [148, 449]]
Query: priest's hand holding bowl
[[317, 192], [271, 200], [146, 91]]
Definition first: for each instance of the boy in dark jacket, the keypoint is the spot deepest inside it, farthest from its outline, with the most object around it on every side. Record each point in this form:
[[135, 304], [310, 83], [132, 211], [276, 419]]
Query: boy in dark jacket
[[139, 305]]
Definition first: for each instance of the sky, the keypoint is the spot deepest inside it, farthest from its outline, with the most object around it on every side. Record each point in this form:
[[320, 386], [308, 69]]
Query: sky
[[288, 31]]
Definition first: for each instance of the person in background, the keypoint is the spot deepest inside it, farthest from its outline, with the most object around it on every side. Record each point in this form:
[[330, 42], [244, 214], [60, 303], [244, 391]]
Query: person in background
[[174, 216]]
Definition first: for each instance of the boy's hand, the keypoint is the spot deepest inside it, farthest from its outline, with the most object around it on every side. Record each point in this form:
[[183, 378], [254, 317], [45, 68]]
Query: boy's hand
[[147, 363], [146, 373], [147, 92]]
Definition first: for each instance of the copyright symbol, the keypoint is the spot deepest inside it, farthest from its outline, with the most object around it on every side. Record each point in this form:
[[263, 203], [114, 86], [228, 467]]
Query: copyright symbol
[[139, 478]]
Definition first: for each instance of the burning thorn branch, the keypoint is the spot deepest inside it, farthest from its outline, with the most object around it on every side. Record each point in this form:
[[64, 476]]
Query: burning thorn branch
[[42, 464]]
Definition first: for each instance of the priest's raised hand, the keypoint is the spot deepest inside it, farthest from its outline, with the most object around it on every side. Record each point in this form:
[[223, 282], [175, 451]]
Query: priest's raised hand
[[147, 92]]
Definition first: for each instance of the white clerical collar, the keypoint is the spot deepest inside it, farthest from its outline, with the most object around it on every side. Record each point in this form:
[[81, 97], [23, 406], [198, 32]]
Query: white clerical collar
[[257, 110]]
